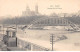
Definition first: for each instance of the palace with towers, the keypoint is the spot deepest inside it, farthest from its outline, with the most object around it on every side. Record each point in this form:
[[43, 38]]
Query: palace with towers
[[28, 12]]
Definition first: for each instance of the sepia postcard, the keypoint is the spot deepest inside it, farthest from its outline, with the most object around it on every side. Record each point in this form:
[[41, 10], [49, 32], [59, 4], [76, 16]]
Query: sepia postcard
[[39, 25]]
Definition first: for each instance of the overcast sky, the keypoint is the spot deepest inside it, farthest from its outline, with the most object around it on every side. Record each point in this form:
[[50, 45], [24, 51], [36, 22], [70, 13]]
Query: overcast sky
[[15, 7]]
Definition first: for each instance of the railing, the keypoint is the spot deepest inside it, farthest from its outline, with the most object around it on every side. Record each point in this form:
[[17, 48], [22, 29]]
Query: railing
[[74, 26]]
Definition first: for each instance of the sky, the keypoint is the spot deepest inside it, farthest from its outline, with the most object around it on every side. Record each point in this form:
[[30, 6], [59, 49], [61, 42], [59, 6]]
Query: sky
[[15, 7]]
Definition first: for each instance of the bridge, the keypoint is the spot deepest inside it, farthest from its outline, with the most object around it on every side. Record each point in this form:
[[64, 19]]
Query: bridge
[[53, 21]]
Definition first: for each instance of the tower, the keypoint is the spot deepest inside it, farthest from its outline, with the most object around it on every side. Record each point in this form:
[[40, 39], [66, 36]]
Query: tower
[[27, 12], [27, 9], [36, 9]]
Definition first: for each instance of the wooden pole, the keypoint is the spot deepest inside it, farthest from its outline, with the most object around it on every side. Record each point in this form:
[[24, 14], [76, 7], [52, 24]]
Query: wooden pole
[[51, 40]]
